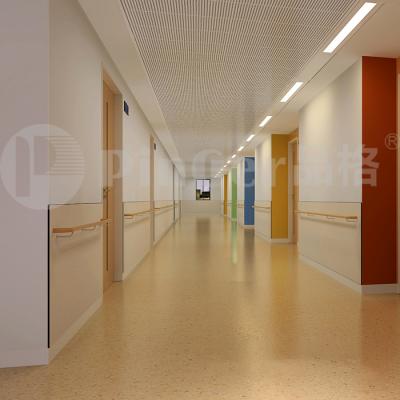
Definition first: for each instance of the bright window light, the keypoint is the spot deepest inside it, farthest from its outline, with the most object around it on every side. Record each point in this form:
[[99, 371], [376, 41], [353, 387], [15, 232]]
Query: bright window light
[[292, 91], [240, 148], [250, 138], [234, 156], [351, 25], [265, 121]]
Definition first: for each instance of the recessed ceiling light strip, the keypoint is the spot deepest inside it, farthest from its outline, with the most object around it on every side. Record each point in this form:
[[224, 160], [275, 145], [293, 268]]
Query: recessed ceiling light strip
[[265, 121], [292, 91], [351, 25]]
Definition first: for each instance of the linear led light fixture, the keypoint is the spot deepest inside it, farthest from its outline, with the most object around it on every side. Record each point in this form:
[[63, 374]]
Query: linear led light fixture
[[351, 25], [250, 138], [292, 91], [225, 165], [240, 148], [265, 121], [234, 156]]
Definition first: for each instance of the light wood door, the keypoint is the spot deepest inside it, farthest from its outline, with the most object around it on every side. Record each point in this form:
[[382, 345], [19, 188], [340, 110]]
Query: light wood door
[[108, 187], [295, 189]]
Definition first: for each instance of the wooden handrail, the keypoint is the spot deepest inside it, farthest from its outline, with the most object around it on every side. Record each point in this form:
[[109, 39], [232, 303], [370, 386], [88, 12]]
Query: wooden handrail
[[262, 207], [164, 207], [79, 228], [137, 214], [348, 218]]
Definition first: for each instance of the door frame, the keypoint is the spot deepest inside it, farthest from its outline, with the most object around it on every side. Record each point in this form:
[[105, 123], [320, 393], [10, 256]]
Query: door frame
[[118, 207], [291, 210]]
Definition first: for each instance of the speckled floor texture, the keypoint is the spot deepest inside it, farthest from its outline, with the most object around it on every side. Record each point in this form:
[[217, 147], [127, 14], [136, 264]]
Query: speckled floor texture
[[217, 313]]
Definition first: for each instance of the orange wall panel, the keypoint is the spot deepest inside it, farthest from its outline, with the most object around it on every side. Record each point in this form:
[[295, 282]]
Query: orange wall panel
[[379, 205]]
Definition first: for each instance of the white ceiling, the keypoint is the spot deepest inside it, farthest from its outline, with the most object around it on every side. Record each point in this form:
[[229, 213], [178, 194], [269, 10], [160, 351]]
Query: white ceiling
[[206, 72], [216, 66]]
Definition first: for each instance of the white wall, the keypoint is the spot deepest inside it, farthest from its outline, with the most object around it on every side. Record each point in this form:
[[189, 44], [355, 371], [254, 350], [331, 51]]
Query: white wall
[[76, 90], [263, 173], [192, 206], [263, 189], [77, 61], [163, 175], [222, 194], [62, 87], [24, 102], [163, 191], [177, 194], [329, 125], [136, 155]]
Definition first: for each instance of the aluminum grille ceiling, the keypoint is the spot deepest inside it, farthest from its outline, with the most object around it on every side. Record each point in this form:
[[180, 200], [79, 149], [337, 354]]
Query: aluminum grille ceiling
[[217, 65]]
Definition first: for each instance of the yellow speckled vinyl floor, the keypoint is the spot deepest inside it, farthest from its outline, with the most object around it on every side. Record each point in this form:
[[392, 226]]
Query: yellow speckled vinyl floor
[[216, 313]]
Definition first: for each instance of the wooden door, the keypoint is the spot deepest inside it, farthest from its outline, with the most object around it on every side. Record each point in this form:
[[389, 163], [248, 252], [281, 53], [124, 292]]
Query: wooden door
[[108, 187], [295, 189]]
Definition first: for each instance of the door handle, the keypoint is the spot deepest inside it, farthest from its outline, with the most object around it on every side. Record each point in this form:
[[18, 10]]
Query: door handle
[[106, 190]]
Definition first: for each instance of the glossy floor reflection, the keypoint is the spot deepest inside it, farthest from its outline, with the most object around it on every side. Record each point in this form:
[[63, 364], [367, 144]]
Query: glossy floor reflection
[[216, 313]]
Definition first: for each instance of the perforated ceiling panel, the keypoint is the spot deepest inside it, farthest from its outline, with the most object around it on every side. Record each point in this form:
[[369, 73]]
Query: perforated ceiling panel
[[217, 65]]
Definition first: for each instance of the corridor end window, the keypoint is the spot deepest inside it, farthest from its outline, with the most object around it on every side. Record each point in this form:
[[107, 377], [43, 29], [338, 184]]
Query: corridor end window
[[203, 189]]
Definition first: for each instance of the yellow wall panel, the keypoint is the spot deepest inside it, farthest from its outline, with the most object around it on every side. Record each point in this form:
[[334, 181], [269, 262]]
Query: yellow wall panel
[[280, 186]]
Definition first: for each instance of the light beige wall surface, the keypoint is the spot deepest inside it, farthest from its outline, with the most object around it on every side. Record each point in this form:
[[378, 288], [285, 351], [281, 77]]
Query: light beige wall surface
[[163, 192], [209, 207], [262, 219], [76, 268], [163, 219], [332, 243], [330, 135], [177, 194], [137, 235]]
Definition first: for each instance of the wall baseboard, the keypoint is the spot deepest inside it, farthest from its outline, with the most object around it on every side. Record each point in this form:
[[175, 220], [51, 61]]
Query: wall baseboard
[[332, 274], [22, 358], [262, 236], [74, 329], [163, 235], [362, 289], [380, 289], [131, 269], [249, 227]]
